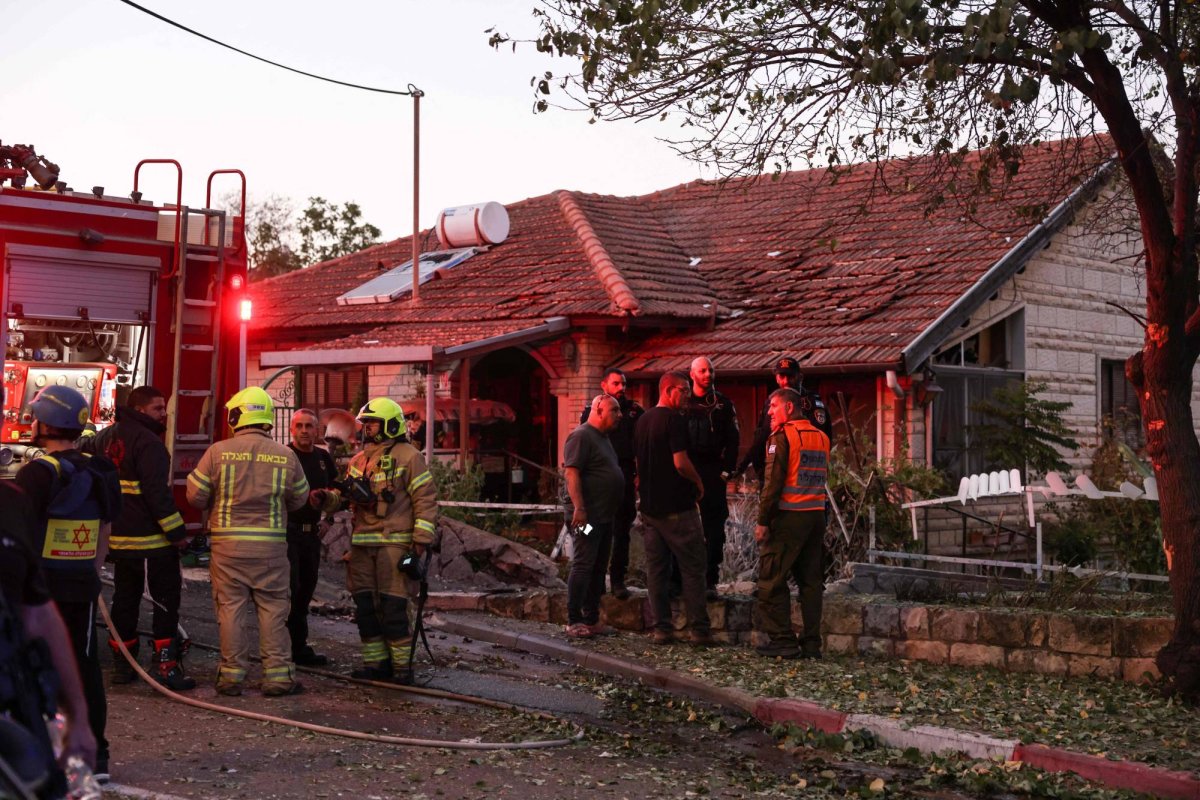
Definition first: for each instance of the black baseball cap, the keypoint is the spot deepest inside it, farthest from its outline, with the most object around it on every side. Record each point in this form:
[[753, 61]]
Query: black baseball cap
[[787, 366]]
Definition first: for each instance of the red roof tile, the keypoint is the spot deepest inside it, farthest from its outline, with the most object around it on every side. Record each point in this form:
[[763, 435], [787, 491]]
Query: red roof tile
[[793, 263]]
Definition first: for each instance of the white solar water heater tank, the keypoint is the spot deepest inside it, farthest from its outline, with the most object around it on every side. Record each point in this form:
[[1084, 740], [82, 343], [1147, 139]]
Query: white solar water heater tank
[[475, 225]]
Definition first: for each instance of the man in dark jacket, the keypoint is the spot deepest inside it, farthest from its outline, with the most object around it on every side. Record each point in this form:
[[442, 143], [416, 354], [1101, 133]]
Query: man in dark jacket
[[303, 537], [613, 384], [147, 537], [787, 376], [713, 439]]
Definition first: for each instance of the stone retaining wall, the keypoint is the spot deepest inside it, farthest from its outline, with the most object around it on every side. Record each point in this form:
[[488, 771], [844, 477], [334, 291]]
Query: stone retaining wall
[[1019, 641]]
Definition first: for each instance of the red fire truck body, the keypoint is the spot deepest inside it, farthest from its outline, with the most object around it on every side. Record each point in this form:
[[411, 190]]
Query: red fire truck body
[[105, 293]]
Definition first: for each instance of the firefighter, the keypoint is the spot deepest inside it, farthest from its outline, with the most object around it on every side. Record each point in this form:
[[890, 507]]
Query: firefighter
[[791, 529], [250, 482], [147, 538], [395, 510], [73, 495]]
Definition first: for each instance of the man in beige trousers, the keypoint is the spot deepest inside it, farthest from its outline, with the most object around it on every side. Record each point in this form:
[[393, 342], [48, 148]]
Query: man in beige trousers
[[249, 483]]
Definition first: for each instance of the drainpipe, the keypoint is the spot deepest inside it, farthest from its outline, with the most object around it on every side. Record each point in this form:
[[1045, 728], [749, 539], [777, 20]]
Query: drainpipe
[[430, 388], [893, 383]]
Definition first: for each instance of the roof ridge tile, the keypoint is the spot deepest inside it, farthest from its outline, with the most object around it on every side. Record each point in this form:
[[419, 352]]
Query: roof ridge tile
[[610, 275]]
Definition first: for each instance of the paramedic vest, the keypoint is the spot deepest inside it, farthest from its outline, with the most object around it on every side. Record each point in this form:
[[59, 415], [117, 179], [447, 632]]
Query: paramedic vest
[[807, 467]]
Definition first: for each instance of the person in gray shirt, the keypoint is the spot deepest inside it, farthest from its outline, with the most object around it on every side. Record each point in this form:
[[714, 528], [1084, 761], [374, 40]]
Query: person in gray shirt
[[595, 484]]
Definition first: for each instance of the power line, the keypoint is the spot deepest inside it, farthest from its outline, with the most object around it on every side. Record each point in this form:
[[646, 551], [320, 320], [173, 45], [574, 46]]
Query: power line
[[409, 92]]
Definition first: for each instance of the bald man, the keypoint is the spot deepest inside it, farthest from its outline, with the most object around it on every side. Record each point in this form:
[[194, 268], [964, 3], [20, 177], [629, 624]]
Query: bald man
[[713, 438]]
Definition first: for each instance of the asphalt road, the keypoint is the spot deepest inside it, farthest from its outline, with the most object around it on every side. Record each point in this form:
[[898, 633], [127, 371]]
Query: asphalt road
[[637, 743]]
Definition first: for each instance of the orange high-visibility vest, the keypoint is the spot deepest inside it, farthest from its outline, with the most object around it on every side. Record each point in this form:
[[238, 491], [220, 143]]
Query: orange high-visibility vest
[[808, 464]]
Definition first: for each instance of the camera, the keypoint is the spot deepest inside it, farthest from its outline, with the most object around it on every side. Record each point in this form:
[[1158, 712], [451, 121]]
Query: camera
[[412, 566], [356, 490]]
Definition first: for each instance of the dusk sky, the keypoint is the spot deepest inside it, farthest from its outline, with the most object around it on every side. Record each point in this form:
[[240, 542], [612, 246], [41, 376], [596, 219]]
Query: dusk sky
[[96, 85]]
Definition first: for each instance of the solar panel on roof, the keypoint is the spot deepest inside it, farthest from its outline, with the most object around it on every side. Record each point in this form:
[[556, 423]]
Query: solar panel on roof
[[398, 281]]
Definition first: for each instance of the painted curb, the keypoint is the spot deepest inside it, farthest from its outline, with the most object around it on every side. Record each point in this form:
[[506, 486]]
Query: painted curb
[[770, 710], [121, 790], [1120, 774], [895, 733], [933, 739]]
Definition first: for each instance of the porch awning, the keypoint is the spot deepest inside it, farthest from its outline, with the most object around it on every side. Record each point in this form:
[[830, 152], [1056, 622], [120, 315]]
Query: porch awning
[[384, 345], [482, 412]]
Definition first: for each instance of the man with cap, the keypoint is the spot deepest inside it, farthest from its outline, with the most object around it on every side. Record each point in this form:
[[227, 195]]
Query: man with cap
[[787, 376], [74, 497]]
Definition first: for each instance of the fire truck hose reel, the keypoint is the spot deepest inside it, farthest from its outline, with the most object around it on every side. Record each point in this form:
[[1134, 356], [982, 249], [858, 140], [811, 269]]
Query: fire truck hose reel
[[350, 734]]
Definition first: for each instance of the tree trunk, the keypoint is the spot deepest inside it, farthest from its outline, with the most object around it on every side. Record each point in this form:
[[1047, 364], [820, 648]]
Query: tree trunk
[[1165, 385]]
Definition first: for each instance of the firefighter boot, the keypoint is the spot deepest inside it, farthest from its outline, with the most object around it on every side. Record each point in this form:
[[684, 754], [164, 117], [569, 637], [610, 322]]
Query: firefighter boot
[[376, 664], [167, 668], [122, 671]]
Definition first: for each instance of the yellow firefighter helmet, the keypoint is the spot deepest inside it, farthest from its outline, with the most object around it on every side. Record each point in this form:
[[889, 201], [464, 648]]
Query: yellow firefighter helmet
[[250, 406], [389, 413]]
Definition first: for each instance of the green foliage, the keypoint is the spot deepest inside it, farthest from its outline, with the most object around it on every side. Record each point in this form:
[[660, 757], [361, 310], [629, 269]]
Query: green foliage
[[1130, 529], [457, 485], [1097, 716], [279, 241], [1071, 539], [1023, 430], [758, 85], [329, 231], [859, 480]]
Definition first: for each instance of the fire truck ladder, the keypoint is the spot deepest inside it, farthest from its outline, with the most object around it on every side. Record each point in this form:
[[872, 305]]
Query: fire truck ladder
[[200, 282]]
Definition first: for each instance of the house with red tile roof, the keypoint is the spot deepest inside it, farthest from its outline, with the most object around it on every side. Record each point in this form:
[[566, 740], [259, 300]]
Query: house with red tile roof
[[886, 282]]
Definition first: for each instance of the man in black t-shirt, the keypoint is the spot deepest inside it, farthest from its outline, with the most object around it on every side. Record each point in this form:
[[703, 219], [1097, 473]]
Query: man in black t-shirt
[[669, 489], [27, 598], [595, 483], [303, 536]]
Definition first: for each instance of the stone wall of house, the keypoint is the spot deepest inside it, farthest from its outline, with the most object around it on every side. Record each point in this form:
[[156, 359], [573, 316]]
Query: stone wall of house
[[580, 366], [1064, 295], [1066, 292]]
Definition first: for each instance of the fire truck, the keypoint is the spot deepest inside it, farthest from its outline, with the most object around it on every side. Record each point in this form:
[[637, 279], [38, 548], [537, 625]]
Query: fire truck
[[104, 293]]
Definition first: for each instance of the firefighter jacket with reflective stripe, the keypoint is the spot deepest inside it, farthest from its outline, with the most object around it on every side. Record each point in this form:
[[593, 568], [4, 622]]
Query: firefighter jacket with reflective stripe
[[149, 522], [404, 509], [249, 484], [796, 470]]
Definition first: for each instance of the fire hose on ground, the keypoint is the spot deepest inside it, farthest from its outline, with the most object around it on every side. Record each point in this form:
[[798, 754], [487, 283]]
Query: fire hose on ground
[[351, 734]]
